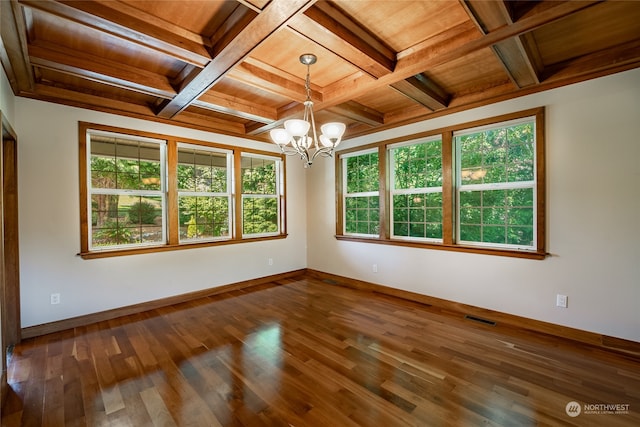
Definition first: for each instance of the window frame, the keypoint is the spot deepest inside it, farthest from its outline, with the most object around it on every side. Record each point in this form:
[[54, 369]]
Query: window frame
[[279, 201], [170, 191], [504, 185], [228, 194], [411, 191], [346, 194], [161, 193], [449, 192]]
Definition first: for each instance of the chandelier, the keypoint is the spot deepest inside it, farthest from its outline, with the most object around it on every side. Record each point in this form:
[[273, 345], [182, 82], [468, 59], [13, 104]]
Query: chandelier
[[294, 139]]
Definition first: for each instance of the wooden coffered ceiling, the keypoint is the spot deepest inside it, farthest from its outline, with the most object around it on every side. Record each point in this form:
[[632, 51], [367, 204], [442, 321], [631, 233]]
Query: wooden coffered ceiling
[[231, 66]]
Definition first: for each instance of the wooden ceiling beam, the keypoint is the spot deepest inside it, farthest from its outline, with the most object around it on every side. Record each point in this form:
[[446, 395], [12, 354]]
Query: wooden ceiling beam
[[101, 70], [141, 29], [13, 52], [96, 101], [619, 58], [448, 46], [518, 55], [456, 42], [518, 62], [258, 74], [329, 27], [359, 113], [242, 108], [231, 28], [89, 99], [424, 91], [226, 56]]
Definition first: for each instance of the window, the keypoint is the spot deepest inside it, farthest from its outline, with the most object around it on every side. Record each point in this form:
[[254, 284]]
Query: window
[[204, 193], [416, 190], [476, 187], [143, 192], [361, 196], [126, 191], [260, 195], [496, 186]]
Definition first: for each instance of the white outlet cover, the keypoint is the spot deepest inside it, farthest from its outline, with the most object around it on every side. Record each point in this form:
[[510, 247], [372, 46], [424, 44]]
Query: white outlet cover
[[55, 298], [561, 301]]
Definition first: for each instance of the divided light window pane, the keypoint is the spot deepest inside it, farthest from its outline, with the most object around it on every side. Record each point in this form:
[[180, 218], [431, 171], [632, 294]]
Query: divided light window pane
[[261, 182], [496, 185], [416, 190], [145, 193], [127, 201], [361, 193], [204, 196]]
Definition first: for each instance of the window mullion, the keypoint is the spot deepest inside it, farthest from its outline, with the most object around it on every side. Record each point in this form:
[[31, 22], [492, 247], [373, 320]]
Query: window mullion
[[237, 188], [448, 199], [173, 225], [383, 199]]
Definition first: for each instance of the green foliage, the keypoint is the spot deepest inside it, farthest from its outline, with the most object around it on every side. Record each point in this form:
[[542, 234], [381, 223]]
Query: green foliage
[[363, 173], [111, 233], [203, 171], [203, 216], [142, 213], [362, 215], [497, 216], [204, 199], [418, 165], [126, 173], [259, 213], [259, 177], [506, 154]]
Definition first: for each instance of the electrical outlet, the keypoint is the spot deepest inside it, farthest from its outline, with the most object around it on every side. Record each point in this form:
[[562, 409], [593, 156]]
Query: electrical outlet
[[562, 301], [55, 298], [270, 262], [374, 268]]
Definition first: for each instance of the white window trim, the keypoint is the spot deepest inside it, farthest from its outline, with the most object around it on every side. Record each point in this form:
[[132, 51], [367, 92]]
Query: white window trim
[[278, 196], [229, 193], [162, 193], [343, 159], [460, 186], [420, 190]]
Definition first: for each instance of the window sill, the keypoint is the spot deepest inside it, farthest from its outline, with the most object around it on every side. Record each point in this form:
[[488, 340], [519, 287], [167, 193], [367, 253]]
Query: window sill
[[537, 255], [107, 253]]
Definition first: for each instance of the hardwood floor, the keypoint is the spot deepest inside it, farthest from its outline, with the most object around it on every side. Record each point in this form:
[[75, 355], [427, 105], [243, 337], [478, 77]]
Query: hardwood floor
[[301, 352]]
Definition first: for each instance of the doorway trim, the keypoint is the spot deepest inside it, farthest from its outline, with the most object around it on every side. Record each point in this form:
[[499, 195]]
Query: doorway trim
[[9, 248]]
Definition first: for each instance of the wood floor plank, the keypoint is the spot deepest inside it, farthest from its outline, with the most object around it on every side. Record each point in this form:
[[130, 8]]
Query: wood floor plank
[[156, 408], [302, 352]]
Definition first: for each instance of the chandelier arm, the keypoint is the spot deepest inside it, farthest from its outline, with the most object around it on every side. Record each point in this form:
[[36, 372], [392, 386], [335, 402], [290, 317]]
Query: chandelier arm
[[304, 154], [324, 152]]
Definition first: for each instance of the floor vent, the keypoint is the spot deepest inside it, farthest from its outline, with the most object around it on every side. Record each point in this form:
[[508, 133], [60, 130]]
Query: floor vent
[[330, 281], [480, 320]]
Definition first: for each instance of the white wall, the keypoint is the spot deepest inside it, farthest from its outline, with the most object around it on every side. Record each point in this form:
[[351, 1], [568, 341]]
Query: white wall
[[50, 227], [593, 220], [593, 160]]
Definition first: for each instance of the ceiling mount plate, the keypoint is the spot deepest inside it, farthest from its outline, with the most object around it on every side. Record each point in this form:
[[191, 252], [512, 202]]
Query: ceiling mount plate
[[308, 58]]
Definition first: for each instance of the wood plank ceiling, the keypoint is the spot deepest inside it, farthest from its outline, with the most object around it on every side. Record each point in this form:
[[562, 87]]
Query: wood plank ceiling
[[231, 66]]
